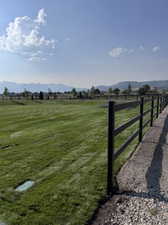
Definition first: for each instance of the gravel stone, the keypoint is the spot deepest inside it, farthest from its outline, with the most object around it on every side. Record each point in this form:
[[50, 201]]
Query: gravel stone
[[143, 183]]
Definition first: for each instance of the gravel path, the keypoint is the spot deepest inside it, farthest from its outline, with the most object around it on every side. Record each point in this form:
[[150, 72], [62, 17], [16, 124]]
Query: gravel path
[[143, 183]]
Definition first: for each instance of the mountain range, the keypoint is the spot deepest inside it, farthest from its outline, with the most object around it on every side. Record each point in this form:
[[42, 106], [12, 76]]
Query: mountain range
[[35, 87], [160, 84]]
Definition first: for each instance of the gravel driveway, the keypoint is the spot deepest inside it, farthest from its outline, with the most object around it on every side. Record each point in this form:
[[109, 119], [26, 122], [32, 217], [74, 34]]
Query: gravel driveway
[[143, 183]]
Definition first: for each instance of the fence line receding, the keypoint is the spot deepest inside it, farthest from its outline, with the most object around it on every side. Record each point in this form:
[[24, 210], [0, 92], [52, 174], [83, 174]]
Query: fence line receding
[[157, 105]]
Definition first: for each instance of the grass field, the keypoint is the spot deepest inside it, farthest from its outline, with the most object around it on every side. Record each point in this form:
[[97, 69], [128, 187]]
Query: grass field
[[62, 147]]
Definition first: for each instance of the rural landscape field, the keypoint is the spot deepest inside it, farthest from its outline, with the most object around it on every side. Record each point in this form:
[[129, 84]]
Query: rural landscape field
[[62, 147], [83, 112]]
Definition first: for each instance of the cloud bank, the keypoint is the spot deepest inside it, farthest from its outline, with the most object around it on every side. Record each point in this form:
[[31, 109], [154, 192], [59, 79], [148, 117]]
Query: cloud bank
[[23, 37], [118, 51]]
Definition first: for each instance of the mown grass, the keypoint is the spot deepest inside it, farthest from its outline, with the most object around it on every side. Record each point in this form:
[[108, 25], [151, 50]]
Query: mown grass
[[62, 146]]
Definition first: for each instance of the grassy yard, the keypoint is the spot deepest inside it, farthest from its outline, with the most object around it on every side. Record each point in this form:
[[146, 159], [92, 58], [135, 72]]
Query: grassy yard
[[62, 147]]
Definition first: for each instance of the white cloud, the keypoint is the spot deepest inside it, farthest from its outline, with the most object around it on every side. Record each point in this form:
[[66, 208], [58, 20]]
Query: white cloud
[[155, 49], [23, 37], [117, 52], [37, 59], [141, 47], [41, 17]]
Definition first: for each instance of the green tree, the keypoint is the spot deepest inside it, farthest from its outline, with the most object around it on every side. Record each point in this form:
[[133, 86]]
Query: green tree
[[74, 92], [129, 89], [92, 90], [6, 92], [97, 91], [25, 93], [141, 91], [116, 91], [110, 90], [41, 95], [146, 88], [80, 95]]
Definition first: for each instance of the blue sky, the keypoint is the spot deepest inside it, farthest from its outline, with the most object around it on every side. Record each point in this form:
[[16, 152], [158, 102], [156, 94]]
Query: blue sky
[[83, 42]]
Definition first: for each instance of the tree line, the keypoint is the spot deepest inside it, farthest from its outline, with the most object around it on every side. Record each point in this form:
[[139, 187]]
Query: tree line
[[90, 93]]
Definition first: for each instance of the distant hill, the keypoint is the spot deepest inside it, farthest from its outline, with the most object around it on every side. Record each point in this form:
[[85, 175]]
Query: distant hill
[[35, 87], [161, 84]]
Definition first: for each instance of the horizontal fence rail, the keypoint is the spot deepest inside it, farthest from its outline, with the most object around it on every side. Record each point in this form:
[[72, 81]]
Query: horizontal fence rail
[[126, 105], [156, 106], [126, 125], [128, 141]]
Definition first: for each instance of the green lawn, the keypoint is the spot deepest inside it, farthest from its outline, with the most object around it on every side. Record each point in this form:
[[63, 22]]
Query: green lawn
[[62, 146]]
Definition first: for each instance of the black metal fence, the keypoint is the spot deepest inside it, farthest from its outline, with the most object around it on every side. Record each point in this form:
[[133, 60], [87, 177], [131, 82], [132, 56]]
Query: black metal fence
[[158, 103]]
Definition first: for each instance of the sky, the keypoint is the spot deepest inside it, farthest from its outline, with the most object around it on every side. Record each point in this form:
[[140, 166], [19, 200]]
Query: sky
[[83, 42]]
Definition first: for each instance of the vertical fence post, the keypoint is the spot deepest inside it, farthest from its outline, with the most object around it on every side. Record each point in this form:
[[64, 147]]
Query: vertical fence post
[[152, 108], [141, 119], [160, 104], [163, 102], [157, 106], [111, 127]]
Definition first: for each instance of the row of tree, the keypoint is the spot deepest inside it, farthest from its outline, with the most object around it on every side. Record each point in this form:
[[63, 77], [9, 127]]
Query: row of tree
[[146, 89], [90, 93]]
